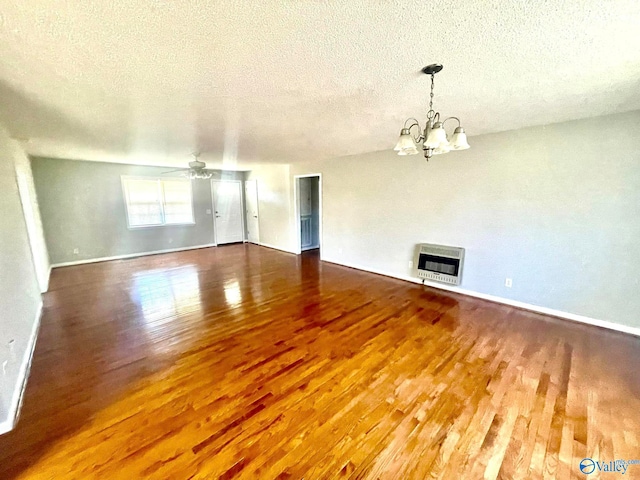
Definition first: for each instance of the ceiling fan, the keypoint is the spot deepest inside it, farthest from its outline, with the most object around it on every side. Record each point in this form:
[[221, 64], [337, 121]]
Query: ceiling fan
[[196, 170]]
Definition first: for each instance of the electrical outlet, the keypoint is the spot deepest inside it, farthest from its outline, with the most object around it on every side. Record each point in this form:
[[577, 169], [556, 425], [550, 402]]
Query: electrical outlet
[[508, 282], [410, 264], [76, 251]]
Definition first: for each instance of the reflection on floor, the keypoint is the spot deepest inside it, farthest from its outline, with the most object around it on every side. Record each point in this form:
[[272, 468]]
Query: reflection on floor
[[165, 293], [245, 362]]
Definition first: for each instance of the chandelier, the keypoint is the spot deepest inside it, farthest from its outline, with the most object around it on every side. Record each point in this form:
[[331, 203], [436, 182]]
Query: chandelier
[[434, 138]]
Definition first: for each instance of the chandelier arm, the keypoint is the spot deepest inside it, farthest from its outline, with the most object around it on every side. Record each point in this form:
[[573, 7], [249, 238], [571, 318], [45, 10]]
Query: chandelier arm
[[451, 118], [432, 117], [415, 123]]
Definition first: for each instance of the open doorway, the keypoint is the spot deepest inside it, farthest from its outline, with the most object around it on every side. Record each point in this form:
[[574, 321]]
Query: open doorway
[[309, 211]]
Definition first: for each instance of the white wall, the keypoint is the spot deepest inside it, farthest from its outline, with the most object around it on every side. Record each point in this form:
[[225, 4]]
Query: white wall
[[275, 206], [31, 210], [20, 301], [555, 208]]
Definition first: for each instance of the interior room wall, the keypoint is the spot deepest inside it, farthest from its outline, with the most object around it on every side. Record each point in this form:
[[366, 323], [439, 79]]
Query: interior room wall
[[82, 207], [20, 300], [556, 208], [275, 205], [31, 209]]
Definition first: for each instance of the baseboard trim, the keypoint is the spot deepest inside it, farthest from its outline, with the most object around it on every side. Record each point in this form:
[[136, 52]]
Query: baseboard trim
[[18, 395], [130, 255], [262, 244], [505, 301]]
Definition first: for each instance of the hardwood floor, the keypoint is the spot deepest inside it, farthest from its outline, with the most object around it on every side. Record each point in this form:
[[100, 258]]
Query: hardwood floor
[[245, 362]]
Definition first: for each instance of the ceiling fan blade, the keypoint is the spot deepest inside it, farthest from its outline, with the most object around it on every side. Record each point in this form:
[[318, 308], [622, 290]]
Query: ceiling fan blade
[[176, 170]]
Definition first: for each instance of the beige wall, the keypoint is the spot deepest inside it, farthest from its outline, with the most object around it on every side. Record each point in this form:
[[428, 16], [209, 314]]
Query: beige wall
[[20, 300], [555, 208], [277, 225], [83, 207]]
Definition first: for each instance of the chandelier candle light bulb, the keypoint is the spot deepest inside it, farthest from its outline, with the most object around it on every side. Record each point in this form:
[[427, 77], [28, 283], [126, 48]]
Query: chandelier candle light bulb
[[434, 138]]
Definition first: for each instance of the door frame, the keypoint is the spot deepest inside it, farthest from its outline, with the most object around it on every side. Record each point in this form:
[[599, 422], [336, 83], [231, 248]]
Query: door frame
[[296, 209], [257, 209], [213, 205]]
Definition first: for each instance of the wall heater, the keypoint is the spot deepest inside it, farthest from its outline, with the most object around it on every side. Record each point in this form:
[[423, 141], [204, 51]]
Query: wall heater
[[439, 263]]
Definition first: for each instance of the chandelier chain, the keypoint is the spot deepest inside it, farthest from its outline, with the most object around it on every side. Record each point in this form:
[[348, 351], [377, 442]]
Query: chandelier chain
[[431, 95]]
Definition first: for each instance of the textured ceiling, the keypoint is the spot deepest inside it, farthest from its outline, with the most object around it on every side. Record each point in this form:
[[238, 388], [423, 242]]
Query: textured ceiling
[[287, 81]]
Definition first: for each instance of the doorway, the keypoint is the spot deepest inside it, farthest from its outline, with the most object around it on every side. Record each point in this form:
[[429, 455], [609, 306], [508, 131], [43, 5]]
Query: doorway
[[253, 219], [309, 211], [228, 220]]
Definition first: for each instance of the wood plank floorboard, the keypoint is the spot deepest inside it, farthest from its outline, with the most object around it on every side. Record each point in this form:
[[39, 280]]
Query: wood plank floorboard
[[242, 362]]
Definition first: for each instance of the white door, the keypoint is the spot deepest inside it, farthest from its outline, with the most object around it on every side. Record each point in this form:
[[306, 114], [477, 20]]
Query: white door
[[253, 222], [227, 210]]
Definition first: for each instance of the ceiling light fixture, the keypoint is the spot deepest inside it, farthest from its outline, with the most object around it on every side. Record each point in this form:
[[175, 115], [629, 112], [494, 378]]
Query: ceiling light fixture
[[434, 138], [200, 175], [196, 170]]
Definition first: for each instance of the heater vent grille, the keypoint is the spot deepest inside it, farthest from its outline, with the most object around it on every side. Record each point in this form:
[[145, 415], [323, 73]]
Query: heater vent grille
[[439, 263], [441, 251]]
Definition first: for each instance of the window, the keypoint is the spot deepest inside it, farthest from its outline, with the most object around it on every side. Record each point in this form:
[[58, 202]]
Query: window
[[157, 201]]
